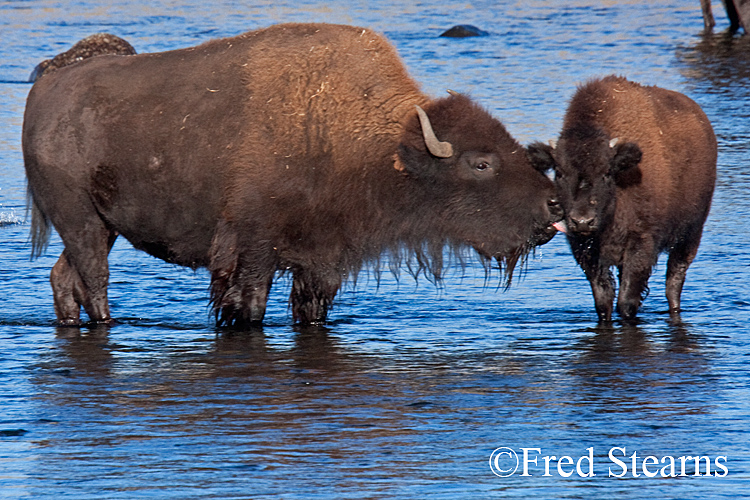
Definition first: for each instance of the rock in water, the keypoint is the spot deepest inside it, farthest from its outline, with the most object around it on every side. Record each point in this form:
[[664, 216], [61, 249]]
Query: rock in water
[[464, 31]]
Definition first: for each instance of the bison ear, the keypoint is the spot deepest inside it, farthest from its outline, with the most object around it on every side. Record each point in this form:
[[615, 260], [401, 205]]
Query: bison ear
[[624, 163], [412, 162], [540, 156]]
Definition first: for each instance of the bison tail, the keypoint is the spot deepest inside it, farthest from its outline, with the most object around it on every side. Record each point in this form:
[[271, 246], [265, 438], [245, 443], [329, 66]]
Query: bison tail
[[40, 227]]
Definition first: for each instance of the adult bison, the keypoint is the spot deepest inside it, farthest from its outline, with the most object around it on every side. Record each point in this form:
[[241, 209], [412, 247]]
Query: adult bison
[[635, 172], [93, 45], [300, 148]]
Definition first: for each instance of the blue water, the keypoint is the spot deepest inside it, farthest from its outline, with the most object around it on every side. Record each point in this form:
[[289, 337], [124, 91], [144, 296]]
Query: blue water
[[409, 388]]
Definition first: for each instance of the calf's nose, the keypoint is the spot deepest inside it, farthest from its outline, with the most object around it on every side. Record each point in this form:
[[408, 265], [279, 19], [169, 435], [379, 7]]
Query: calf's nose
[[583, 224]]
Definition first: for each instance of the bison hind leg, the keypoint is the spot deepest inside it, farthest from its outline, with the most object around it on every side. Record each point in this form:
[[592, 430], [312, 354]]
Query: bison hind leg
[[679, 260], [73, 289], [312, 295], [67, 292]]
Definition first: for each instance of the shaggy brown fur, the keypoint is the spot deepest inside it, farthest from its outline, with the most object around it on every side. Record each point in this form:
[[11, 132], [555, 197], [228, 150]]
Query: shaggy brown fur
[[293, 149], [93, 45], [635, 172]]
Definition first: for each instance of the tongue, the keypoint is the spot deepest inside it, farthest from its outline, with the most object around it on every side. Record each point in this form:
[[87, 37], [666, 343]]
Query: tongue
[[560, 226]]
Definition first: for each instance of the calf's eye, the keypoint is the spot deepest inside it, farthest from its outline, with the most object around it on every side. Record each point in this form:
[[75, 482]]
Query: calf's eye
[[482, 166]]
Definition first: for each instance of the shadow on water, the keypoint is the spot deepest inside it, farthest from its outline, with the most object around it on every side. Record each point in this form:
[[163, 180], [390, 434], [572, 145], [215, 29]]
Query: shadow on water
[[98, 351]]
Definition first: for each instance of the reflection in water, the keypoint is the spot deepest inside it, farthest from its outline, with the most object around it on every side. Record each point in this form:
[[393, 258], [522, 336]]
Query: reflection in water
[[718, 58], [267, 409], [86, 351], [630, 366]]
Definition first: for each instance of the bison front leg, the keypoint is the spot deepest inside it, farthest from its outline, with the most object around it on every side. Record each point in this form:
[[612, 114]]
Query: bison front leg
[[587, 253], [603, 288], [239, 297], [638, 260], [241, 277], [633, 289], [312, 296]]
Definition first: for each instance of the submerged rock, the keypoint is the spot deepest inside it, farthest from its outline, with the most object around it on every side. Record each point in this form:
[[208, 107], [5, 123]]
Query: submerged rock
[[464, 31]]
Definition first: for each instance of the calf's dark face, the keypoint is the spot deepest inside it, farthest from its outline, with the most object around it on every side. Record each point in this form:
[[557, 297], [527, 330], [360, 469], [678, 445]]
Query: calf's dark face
[[486, 193], [587, 174]]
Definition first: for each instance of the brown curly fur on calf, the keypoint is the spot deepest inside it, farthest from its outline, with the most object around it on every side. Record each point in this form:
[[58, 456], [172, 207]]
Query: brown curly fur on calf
[[635, 172]]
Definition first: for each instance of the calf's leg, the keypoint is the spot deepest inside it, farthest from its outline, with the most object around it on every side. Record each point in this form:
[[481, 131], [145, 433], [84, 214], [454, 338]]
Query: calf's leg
[[680, 259], [638, 260], [603, 287], [586, 252], [633, 288]]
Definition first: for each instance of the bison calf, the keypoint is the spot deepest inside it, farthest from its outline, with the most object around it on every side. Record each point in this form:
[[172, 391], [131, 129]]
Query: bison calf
[[301, 148], [635, 168]]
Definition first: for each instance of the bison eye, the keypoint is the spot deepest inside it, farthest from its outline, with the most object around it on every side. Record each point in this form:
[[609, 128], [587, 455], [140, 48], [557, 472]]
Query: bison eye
[[477, 165]]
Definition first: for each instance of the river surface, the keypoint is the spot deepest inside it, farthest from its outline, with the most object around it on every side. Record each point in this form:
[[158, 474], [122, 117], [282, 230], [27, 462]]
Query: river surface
[[409, 389]]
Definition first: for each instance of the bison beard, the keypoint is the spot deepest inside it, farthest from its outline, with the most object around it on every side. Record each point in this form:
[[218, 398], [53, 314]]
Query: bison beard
[[303, 149], [635, 168]]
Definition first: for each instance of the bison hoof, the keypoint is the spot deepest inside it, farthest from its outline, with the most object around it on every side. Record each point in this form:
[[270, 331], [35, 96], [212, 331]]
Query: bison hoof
[[69, 322], [628, 313]]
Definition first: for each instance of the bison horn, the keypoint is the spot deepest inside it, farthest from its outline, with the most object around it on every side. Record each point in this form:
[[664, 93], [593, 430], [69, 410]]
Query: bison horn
[[613, 142], [436, 147]]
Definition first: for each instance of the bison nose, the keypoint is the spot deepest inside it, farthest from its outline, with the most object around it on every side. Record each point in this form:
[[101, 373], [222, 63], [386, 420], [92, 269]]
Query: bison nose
[[584, 224], [555, 210]]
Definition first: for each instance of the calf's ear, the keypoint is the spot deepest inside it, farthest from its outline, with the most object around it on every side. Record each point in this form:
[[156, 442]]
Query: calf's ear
[[624, 163], [540, 156]]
